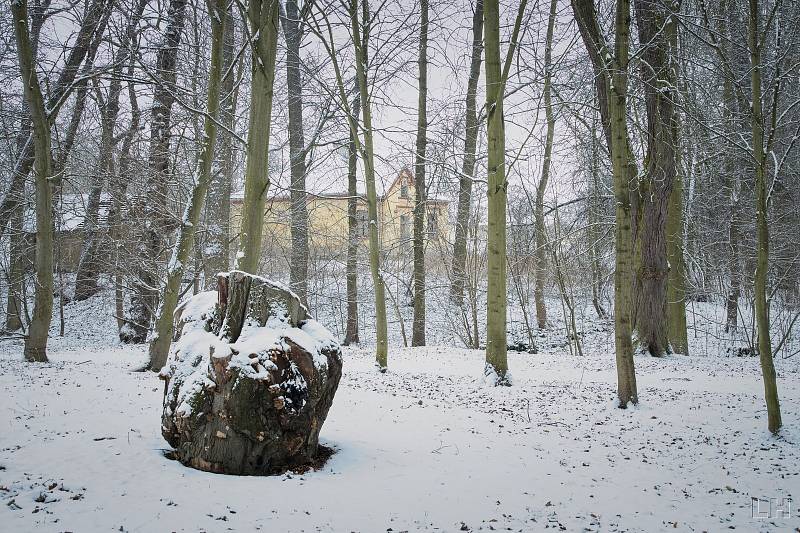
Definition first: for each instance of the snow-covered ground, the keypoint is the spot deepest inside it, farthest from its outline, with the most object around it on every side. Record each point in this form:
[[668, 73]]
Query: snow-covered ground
[[426, 446]]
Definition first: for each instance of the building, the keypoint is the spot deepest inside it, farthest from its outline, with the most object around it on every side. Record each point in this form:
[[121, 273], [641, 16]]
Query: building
[[328, 228]]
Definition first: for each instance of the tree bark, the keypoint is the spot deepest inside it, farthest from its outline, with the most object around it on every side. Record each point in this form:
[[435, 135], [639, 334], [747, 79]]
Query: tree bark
[[626, 374], [594, 234], [262, 16], [218, 204], [762, 228], [496, 360], [36, 341], [298, 262], [353, 235], [468, 163], [656, 24], [159, 345], [420, 197], [676, 285], [732, 125]]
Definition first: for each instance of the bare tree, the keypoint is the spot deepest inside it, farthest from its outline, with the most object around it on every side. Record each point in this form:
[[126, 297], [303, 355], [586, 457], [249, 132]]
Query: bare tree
[[298, 263], [89, 265], [36, 341], [353, 233], [496, 347], [160, 342], [468, 163], [152, 206], [761, 147], [218, 204], [420, 200], [541, 235]]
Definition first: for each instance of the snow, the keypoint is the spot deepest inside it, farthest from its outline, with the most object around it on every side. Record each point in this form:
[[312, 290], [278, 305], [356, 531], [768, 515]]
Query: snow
[[424, 446], [192, 355]]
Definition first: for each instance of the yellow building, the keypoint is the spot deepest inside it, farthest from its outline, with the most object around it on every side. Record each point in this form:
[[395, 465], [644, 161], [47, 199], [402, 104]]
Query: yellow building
[[327, 214]]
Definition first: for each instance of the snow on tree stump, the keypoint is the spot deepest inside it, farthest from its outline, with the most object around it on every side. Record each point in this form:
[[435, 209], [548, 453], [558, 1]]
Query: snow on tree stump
[[249, 381]]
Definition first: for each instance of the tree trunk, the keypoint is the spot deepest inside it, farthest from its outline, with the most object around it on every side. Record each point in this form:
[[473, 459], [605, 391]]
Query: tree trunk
[[159, 345], [468, 164], [298, 262], [382, 343], [36, 341], [218, 204], [594, 234], [263, 19], [353, 235], [360, 43], [655, 24], [731, 172], [762, 228], [676, 285], [541, 235], [258, 408], [496, 346], [611, 84], [152, 207], [118, 199], [623, 296], [420, 198], [16, 271]]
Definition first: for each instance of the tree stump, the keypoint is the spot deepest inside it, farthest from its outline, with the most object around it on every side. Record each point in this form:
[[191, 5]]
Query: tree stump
[[250, 379]]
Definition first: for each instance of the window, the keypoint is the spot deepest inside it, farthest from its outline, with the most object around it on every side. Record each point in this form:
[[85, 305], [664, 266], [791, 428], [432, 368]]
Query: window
[[405, 227], [433, 221], [362, 223], [403, 188]]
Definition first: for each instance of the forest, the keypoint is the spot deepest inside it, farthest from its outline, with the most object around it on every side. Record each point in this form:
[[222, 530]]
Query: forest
[[400, 265]]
